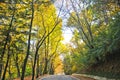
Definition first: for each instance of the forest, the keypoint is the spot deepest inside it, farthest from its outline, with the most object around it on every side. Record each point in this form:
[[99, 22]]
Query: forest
[[32, 42]]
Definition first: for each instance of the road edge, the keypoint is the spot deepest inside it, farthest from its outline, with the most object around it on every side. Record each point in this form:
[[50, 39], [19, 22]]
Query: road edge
[[94, 77]]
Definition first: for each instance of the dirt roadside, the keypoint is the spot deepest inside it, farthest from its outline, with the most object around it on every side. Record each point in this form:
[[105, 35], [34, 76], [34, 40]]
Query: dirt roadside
[[82, 77]]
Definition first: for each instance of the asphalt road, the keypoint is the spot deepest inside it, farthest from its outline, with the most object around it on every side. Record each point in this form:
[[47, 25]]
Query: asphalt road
[[59, 77]]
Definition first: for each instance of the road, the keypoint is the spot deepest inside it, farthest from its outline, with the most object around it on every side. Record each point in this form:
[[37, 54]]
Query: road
[[59, 77]]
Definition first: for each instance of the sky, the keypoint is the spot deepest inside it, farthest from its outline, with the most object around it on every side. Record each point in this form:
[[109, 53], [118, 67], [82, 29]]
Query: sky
[[67, 33]]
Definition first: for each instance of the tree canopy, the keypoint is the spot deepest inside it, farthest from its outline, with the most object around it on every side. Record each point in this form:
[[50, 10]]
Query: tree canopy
[[31, 35]]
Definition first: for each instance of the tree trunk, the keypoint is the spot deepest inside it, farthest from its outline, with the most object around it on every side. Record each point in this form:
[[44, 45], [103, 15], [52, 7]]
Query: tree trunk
[[5, 70], [33, 71], [17, 66], [9, 71], [6, 42], [28, 48], [45, 67], [37, 69], [51, 69]]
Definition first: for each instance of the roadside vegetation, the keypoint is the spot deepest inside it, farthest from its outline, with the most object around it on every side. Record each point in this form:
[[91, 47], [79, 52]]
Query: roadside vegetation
[[95, 46]]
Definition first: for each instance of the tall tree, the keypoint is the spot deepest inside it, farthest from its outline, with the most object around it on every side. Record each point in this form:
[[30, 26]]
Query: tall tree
[[29, 39], [49, 23], [7, 39]]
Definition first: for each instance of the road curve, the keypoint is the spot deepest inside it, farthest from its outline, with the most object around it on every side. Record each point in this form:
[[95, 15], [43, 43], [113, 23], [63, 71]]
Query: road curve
[[59, 77]]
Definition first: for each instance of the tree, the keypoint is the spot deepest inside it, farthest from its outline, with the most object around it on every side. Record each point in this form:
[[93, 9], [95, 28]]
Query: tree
[[7, 39], [50, 23], [28, 48], [92, 20], [33, 21]]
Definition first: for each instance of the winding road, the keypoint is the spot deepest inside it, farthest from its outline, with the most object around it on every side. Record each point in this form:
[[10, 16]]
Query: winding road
[[59, 77]]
